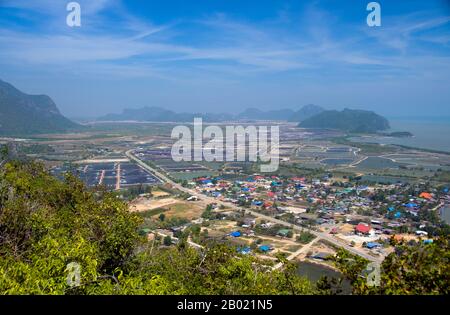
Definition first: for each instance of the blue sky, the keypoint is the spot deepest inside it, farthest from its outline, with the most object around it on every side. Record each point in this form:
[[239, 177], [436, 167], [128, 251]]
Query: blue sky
[[226, 55]]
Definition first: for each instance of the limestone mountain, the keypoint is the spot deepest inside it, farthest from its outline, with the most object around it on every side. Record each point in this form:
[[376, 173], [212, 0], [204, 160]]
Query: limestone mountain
[[158, 114], [347, 120], [22, 114]]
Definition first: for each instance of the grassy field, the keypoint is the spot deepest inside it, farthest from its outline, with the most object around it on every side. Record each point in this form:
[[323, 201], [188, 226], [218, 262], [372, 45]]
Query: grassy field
[[191, 175], [187, 210], [153, 212], [182, 209]]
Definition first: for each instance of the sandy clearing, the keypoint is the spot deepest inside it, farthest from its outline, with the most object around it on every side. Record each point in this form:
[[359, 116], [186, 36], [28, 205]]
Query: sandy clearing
[[160, 193], [150, 204]]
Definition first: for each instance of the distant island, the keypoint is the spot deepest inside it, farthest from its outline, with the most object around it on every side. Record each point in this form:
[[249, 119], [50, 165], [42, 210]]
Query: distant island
[[398, 134], [348, 120], [22, 114]]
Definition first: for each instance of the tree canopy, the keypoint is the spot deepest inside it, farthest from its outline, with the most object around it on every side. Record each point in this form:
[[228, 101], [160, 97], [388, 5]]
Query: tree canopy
[[46, 224], [414, 268]]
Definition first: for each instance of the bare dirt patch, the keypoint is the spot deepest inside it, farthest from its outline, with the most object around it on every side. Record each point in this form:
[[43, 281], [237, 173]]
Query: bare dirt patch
[[160, 193], [144, 204]]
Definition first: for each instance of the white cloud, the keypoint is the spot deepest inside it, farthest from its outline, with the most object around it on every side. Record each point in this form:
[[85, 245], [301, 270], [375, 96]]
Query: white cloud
[[224, 46]]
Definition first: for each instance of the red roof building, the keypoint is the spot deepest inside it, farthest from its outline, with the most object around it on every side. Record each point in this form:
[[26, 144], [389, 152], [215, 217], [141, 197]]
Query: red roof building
[[426, 195], [362, 228], [268, 204]]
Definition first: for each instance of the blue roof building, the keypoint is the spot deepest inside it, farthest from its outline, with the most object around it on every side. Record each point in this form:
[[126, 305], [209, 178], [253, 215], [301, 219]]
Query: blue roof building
[[235, 234], [371, 245]]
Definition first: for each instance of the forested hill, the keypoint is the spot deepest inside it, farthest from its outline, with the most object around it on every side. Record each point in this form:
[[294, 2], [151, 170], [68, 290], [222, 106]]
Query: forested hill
[[347, 120], [22, 114]]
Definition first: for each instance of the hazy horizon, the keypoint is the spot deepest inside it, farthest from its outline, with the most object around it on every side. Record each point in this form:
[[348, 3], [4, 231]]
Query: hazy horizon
[[225, 56], [421, 118]]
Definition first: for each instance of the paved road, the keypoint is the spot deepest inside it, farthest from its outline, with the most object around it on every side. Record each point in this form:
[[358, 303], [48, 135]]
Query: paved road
[[176, 239], [440, 205], [102, 176], [321, 235], [118, 177], [154, 172]]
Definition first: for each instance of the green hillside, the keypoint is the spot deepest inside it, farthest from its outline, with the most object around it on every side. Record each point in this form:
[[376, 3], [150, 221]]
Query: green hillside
[[347, 120], [22, 114]]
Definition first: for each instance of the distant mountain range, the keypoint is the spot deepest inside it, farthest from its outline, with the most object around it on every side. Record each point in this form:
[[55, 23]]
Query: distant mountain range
[[281, 114], [22, 114], [158, 114], [347, 120], [309, 116]]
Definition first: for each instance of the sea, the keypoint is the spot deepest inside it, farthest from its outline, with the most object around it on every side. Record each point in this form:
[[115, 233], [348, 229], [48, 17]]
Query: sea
[[432, 133]]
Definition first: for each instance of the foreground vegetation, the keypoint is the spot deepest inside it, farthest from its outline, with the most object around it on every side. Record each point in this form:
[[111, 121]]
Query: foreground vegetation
[[46, 224]]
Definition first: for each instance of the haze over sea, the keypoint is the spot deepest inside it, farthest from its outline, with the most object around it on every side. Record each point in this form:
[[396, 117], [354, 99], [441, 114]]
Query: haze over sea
[[429, 133]]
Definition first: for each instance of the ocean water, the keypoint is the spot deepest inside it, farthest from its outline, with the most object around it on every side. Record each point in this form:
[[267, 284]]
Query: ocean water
[[429, 133]]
